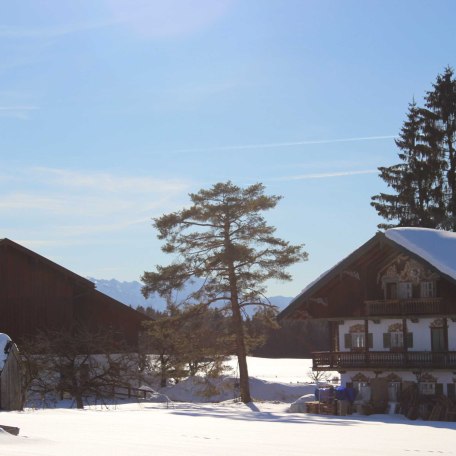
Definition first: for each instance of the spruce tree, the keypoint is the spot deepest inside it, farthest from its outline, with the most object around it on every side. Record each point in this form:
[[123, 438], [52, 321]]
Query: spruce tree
[[415, 180], [223, 239], [424, 182], [441, 134]]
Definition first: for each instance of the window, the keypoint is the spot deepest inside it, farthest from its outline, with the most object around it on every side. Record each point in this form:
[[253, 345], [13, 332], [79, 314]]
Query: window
[[437, 339], [397, 339], [428, 289], [391, 290], [357, 340], [364, 391], [427, 388], [405, 290], [394, 389]]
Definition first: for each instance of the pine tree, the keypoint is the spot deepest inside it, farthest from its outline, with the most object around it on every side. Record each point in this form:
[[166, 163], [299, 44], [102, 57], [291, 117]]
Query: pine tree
[[424, 183], [224, 240]]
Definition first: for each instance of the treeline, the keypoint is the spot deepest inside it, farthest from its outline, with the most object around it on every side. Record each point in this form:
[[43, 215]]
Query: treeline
[[265, 337]]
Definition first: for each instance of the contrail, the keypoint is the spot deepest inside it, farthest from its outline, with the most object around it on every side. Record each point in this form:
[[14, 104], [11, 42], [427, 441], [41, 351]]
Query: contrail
[[324, 175], [284, 144]]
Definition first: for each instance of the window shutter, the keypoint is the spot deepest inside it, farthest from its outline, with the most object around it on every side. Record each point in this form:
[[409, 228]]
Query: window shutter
[[370, 340], [409, 340], [451, 391], [348, 340], [439, 388], [386, 340]]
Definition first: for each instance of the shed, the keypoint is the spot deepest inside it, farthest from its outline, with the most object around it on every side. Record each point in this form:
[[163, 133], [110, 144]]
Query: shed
[[10, 375]]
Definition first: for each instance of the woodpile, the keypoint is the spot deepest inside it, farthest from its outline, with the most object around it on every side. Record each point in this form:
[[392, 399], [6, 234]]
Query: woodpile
[[432, 408], [321, 408]]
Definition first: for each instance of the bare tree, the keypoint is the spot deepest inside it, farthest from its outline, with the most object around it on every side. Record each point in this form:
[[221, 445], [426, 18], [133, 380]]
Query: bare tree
[[79, 362]]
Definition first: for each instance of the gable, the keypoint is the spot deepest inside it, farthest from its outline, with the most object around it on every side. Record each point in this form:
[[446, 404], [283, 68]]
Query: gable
[[10, 248], [343, 290]]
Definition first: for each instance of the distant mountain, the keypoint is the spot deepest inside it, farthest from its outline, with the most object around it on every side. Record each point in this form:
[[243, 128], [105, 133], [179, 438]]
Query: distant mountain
[[280, 301], [130, 294]]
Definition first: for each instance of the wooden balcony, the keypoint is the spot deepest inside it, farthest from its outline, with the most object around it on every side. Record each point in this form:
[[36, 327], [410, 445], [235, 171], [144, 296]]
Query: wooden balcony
[[418, 306], [376, 360]]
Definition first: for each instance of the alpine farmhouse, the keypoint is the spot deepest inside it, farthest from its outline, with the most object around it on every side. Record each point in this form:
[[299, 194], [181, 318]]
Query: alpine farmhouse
[[391, 312]]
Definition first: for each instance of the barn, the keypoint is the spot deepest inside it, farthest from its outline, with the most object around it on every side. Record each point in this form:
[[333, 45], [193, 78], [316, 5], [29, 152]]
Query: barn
[[37, 294]]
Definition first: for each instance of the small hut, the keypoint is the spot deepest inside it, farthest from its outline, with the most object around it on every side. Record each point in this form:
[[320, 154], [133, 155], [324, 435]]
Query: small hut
[[10, 375]]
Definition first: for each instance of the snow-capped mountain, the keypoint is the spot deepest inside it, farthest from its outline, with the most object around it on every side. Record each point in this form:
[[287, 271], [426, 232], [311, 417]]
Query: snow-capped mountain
[[130, 294]]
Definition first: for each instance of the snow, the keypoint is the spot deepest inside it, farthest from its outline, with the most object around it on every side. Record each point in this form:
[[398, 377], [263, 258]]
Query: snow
[[437, 247], [226, 428], [267, 382]]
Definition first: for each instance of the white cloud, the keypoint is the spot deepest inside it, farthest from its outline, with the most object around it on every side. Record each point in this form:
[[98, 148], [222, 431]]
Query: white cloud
[[56, 31], [152, 19], [25, 200], [107, 182], [19, 112], [73, 204], [170, 18]]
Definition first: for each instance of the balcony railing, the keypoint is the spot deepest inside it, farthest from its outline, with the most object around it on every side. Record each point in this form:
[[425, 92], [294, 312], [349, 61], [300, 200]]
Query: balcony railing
[[418, 306], [383, 360]]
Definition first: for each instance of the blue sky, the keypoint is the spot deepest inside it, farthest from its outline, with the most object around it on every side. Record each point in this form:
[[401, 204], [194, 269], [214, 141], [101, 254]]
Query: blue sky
[[112, 111]]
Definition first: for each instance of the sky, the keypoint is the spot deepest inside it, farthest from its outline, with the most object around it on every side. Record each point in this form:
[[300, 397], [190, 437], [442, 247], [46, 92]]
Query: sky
[[113, 111]]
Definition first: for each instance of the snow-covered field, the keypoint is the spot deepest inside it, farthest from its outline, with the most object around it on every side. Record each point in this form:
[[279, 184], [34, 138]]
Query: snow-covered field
[[184, 428]]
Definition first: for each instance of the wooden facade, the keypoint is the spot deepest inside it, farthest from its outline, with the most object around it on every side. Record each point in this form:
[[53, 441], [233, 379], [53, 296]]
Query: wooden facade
[[353, 289], [38, 294]]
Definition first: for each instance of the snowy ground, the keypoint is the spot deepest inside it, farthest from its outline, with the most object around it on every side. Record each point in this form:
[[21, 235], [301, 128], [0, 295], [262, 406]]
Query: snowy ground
[[227, 428]]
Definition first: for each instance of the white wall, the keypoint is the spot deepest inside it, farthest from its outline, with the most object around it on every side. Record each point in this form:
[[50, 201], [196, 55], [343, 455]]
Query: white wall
[[421, 333]]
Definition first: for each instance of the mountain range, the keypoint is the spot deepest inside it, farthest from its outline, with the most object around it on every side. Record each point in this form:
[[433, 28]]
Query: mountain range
[[130, 294]]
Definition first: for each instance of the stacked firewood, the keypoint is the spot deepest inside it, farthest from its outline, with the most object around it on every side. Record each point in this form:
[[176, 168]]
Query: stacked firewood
[[433, 408]]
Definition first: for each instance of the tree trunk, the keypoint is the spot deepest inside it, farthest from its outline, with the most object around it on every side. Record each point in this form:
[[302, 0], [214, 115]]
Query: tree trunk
[[241, 353], [244, 386], [79, 401], [163, 373]]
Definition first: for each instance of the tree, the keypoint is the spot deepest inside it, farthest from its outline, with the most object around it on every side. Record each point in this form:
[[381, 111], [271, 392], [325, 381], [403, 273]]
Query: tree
[[416, 181], [223, 239], [164, 339], [80, 362], [441, 112], [424, 183]]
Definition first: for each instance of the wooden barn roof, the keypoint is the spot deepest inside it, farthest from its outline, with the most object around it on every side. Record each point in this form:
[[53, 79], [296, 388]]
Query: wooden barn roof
[[114, 303], [5, 242]]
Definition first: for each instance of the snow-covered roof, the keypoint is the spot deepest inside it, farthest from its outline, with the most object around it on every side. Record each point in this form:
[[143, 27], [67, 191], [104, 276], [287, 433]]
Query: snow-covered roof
[[4, 340], [437, 247]]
